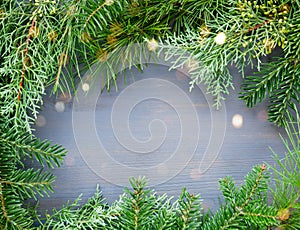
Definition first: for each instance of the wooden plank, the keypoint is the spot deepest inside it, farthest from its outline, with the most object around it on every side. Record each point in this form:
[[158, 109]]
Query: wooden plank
[[241, 149]]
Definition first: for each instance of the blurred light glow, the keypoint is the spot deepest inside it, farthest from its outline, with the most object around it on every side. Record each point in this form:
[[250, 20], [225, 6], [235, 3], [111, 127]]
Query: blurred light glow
[[262, 115], [195, 174], [59, 106], [65, 97], [69, 161], [40, 121], [237, 121], [85, 87]]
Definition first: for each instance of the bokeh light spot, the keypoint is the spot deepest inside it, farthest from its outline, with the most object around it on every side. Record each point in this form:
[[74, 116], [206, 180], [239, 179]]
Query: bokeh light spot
[[237, 121], [40, 121], [59, 106]]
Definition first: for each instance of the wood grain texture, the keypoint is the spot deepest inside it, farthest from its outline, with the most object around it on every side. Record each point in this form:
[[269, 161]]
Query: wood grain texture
[[242, 148]]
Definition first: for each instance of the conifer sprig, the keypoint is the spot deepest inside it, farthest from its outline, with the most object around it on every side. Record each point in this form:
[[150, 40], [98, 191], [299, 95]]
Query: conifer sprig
[[286, 193], [245, 207]]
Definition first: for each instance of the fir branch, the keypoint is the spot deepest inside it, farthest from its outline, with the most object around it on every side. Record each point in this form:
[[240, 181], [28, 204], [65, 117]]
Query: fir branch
[[136, 207], [286, 194], [28, 183], [165, 216], [229, 191], [13, 216], [3, 203], [256, 183], [18, 184], [28, 146], [280, 82], [244, 207], [189, 213], [260, 215]]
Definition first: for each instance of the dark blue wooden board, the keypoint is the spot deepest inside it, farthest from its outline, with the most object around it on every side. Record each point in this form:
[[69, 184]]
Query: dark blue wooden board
[[241, 149]]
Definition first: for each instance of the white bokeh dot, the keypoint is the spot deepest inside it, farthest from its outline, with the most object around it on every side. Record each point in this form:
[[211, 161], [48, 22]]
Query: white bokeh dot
[[59, 106], [237, 121], [40, 121], [85, 87]]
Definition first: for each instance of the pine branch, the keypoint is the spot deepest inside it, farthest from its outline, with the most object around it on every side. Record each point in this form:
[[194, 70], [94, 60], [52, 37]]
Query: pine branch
[[279, 80], [286, 194], [165, 216], [32, 32], [12, 215], [189, 211], [137, 206], [255, 186], [245, 207], [229, 191], [18, 184], [247, 32], [28, 183], [25, 145]]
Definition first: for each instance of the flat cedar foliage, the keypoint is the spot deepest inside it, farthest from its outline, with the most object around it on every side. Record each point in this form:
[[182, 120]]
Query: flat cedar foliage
[[46, 43]]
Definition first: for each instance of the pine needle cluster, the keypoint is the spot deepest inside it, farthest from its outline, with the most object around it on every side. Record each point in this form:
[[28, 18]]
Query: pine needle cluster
[[142, 208], [18, 183], [242, 33]]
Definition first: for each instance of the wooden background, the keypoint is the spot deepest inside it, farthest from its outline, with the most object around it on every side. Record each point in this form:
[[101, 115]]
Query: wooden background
[[242, 147]]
